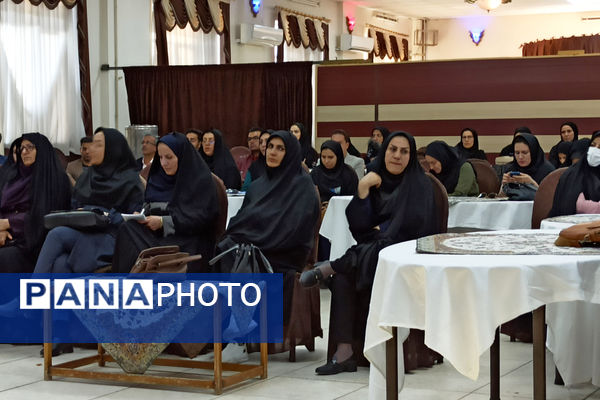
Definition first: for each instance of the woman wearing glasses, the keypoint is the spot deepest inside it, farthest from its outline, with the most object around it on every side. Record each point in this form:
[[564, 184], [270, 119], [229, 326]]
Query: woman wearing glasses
[[30, 188], [219, 159]]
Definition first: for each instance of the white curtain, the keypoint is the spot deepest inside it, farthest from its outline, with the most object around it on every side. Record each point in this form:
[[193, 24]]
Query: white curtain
[[187, 47], [291, 53], [39, 74]]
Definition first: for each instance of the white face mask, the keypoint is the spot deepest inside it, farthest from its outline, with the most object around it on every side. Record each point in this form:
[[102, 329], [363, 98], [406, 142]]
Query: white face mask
[[593, 156]]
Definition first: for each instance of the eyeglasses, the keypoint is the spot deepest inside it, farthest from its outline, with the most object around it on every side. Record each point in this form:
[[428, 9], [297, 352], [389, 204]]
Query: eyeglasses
[[28, 147], [253, 138], [208, 142], [487, 195]]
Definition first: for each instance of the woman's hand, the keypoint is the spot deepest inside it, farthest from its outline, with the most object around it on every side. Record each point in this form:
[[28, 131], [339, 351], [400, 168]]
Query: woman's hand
[[153, 222], [4, 235], [369, 180], [522, 178], [4, 224]]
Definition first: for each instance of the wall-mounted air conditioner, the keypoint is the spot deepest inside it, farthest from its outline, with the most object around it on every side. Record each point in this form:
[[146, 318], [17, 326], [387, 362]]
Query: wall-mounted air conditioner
[[260, 35], [355, 42]]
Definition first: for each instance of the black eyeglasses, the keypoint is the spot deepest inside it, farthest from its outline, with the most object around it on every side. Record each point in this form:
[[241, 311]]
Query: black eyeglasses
[[487, 195]]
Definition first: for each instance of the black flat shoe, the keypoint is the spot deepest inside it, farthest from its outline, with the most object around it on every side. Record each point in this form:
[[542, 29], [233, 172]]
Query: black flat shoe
[[58, 349], [311, 278], [332, 367]]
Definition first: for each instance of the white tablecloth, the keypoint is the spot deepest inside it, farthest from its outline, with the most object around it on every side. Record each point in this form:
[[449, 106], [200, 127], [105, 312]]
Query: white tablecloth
[[574, 334], [487, 214], [234, 203], [460, 300]]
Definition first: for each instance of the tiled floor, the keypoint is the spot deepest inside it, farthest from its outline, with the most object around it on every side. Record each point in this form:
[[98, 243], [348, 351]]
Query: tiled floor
[[22, 378]]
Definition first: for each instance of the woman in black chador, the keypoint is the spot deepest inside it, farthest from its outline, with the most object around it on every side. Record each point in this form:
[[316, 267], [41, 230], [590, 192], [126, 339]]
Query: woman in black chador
[[181, 207], [394, 203], [332, 176], [219, 159], [29, 189]]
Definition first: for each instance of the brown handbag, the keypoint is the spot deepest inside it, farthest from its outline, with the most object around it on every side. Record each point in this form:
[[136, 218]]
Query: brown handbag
[[165, 259], [580, 235]]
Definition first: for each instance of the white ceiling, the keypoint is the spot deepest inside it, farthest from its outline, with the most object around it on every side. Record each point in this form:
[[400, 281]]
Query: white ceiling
[[458, 8]]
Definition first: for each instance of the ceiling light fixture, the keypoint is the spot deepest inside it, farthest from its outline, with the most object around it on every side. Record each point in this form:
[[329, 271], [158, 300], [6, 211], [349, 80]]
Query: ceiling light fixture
[[488, 5]]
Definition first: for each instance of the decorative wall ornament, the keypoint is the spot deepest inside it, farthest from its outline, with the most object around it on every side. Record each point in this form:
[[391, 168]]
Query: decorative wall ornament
[[476, 36], [255, 6], [350, 22]]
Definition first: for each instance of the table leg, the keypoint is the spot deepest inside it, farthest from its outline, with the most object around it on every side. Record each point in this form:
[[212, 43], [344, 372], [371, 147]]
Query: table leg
[[495, 367], [539, 354], [391, 366]]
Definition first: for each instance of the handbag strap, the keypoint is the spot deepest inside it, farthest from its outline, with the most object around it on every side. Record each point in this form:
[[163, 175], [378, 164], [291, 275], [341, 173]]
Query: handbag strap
[[178, 261], [214, 260], [264, 260]]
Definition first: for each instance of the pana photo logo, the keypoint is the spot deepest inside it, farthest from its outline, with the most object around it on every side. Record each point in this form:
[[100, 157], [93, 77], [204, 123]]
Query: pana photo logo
[[132, 294]]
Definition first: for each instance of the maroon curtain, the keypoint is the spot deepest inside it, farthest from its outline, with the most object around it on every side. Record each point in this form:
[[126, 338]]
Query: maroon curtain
[[50, 4], [590, 44], [225, 35], [228, 97], [326, 46]]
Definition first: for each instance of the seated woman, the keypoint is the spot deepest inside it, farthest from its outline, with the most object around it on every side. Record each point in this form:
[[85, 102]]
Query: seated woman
[[29, 189], [529, 167], [468, 147], [578, 190], [219, 159], [332, 176], [279, 213], [378, 135], [564, 152], [181, 207], [456, 174], [568, 134], [508, 149], [308, 154], [111, 183], [259, 166], [394, 203]]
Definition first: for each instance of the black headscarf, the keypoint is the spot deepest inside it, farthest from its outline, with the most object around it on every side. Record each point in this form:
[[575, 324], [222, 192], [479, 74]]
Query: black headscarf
[[191, 192], [553, 156], [539, 167], [341, 180], [280, 209], [579, 178], [373, 147], [564, 148], [473, 152], [308, 154], [508, 149], [406, 200], [579, 149], [451, 163], [115, 183], [49, 188], [221, 162]]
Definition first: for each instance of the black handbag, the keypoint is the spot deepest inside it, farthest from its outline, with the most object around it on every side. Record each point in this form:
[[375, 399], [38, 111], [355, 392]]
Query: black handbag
[[242, 259], [78, 219], [519, 191]]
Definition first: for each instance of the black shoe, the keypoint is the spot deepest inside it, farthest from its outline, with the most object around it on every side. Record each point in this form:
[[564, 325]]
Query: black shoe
[[332, 367], [311, 278], [58, 349]]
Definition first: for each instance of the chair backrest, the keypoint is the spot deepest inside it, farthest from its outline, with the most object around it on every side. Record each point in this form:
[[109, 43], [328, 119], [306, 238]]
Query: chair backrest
[[441, 202], [222, 218], [486, 176], [239, 154], [62, 158], [544, 197]]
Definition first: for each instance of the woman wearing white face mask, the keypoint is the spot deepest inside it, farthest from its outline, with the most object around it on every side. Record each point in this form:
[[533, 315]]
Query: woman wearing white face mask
[[578, 190]]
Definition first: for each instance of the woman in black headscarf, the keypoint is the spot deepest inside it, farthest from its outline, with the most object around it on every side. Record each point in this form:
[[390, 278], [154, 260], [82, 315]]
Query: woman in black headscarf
[[468, 147], [378, 135], [259, 166], [578, 190], [564, 152], [308, 155], [29, 189], [332, 176], [279, 213], [568, 133], [456, 174], [110, 184], [394, 203], [508, 149], [219, 159], [529, 162], [181, 207]]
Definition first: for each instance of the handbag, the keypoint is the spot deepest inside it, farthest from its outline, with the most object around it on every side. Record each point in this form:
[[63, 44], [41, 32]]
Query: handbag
[[242, 259], [165, 259], [519, 191], [78, 219], [580, 235]]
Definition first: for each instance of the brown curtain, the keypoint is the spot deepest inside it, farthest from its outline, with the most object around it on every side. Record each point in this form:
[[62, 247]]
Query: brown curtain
[[294, 30], [404, 49], [326, 34], [84, 54], [228, 97], [395, 47], [590, 44], [182, 19], [381, 42], [295, 38]]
